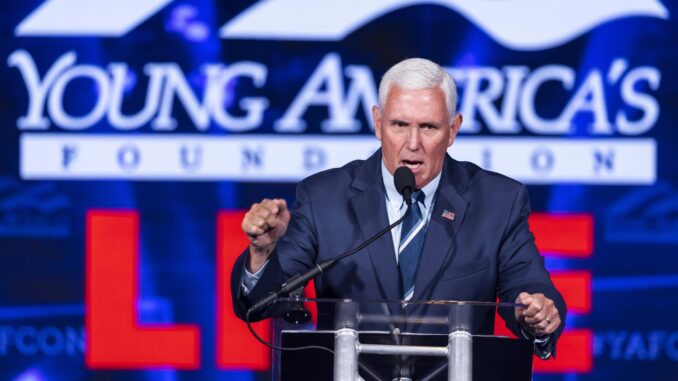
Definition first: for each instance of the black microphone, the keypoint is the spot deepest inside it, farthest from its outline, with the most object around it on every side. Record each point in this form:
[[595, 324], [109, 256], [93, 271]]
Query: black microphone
[[403, 179], [404, 183]]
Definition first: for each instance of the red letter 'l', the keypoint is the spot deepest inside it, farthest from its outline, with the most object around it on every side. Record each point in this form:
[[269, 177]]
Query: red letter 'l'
[[115, 339]]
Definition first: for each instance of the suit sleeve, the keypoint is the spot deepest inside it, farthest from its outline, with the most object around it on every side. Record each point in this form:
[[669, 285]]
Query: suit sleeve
[[521, 267], [295, 252]]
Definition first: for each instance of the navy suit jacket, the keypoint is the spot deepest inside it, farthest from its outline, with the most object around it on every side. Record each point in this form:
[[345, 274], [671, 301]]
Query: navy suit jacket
[[486, 251]]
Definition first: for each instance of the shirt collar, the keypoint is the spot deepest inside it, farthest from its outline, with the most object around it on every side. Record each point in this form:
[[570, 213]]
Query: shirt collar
[[395, 199]]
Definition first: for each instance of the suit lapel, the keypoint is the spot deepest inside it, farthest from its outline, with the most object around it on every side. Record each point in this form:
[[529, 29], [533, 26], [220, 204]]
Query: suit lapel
[[369, 206], [442, 228]]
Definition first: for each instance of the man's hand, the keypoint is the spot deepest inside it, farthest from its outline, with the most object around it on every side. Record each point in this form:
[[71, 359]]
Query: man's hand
[[264, 224], [539, 316]]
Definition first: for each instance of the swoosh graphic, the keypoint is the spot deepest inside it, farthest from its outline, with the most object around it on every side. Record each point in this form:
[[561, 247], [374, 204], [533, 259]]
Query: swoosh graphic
[[515, 24], [105, 18]]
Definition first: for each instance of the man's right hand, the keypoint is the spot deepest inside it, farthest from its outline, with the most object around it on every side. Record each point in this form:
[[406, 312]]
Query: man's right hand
[[265, 223]]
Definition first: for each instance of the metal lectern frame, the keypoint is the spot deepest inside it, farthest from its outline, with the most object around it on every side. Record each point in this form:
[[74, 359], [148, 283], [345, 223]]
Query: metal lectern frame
[[459, 353], [349, 318]]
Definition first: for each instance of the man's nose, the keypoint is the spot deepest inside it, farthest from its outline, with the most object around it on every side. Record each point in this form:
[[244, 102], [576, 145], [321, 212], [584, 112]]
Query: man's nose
[[413, 138]]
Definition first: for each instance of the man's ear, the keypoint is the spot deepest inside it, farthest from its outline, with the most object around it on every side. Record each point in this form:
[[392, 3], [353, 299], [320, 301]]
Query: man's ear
[[454, 128], [376, 119]]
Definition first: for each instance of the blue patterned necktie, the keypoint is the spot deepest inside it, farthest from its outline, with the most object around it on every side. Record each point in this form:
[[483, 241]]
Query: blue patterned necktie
[[411, 242]]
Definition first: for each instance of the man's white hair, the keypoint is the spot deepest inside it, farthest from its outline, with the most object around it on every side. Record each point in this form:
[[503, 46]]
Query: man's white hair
[[419, 74]]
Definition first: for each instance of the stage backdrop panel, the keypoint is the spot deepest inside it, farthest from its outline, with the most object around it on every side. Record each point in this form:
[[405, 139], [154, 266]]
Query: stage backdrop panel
[[134, 134]]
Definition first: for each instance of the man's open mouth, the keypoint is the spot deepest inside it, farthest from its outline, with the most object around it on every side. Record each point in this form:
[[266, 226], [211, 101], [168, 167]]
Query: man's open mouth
[[412, 164]]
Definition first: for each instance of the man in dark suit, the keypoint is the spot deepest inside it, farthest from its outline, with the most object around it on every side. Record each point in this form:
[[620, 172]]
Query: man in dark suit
[[471, 241]]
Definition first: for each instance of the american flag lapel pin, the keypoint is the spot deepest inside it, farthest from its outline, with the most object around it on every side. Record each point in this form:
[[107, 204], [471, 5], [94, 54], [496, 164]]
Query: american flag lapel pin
[[448, 215]]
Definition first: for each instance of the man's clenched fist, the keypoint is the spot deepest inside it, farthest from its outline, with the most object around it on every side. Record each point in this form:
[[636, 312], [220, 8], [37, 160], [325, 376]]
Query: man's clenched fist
[[264, 224]]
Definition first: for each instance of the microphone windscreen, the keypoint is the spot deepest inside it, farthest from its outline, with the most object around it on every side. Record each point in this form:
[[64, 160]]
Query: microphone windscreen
[[403, 178]]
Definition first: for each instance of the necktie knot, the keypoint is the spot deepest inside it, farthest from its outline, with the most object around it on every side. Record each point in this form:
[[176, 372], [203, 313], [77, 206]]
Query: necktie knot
[[418, 196]]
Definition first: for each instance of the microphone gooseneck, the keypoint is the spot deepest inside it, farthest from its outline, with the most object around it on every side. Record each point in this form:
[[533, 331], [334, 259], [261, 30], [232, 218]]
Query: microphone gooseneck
[[403, 179]]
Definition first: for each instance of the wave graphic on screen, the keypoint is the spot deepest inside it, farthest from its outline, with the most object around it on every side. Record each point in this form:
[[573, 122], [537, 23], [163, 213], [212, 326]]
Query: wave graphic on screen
[[515, 24]]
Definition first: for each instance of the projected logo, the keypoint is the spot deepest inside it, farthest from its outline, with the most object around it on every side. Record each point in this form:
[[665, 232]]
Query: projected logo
[[645, 215], [32, 210], [608, 106], [250, 157], [549, 23]]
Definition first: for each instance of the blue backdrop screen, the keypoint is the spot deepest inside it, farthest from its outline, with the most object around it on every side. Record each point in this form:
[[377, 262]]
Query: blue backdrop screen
[[134, 134]]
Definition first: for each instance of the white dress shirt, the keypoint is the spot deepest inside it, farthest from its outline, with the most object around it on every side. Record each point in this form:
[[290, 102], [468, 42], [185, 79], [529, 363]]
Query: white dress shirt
[[396, 207]]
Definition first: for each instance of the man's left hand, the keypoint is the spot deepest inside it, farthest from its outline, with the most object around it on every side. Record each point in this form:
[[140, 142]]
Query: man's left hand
[[539, 316]]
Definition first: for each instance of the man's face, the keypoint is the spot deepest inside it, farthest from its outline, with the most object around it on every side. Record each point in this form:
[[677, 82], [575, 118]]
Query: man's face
[[415, 131]]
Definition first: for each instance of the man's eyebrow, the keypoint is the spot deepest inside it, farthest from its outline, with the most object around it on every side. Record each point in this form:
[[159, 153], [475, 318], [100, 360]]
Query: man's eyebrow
[[399, 121], [429, 124]]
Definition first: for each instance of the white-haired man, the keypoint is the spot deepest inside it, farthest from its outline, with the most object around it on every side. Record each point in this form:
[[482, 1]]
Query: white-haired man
[[472, 240]]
